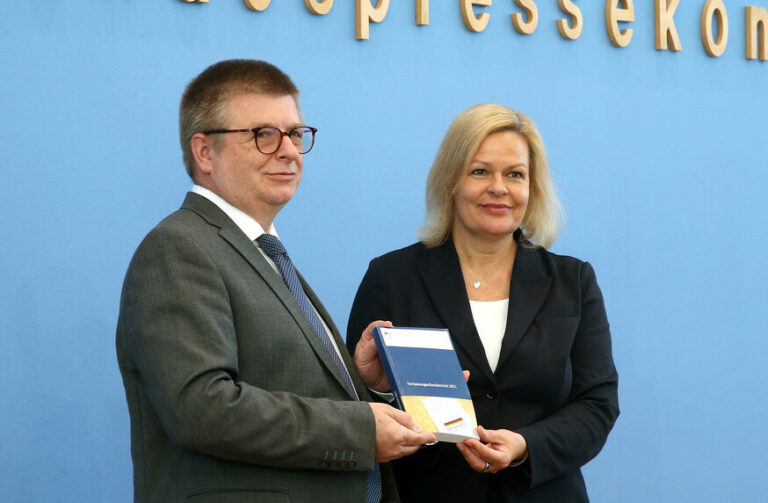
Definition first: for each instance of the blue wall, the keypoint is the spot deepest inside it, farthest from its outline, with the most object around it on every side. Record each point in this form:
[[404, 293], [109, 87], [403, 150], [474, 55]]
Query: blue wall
[[660, 159]]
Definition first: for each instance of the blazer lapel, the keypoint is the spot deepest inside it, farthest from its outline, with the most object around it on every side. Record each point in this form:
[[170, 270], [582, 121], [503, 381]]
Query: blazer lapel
[[442, 278], [231, 233], [336, 335], [527, 291]]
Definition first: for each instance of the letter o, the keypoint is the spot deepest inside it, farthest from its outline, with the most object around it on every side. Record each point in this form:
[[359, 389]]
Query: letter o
[[714, 8], [257, 5]]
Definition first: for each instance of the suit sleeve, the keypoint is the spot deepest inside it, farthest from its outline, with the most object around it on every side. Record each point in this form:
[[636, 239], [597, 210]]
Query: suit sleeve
[[574, 434], [371, 303], [179, 336]]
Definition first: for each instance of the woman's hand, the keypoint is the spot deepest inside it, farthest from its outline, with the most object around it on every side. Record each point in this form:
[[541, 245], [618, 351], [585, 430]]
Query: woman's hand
[[498, 449], [368, 362]]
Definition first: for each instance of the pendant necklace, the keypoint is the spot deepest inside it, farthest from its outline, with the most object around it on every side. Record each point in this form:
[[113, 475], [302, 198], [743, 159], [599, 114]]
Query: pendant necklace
[[476, 284]]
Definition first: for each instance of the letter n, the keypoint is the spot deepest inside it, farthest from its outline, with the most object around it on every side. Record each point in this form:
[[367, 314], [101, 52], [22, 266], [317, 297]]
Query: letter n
[[757, 32]]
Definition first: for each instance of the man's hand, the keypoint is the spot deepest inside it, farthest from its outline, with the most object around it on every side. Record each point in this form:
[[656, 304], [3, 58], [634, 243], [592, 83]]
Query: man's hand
[[397, 434], [367, 359]]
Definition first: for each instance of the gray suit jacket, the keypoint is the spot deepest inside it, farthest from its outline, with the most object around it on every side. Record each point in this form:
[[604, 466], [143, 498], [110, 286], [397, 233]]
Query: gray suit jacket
[[232, 396]]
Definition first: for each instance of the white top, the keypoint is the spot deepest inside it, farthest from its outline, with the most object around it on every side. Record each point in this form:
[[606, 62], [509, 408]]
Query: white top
[[491, 322], [253, 230]]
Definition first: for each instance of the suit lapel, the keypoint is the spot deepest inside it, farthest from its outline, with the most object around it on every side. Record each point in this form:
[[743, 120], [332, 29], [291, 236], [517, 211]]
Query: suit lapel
[[527, 291], [356, 380], [231, 233], [442, 278]]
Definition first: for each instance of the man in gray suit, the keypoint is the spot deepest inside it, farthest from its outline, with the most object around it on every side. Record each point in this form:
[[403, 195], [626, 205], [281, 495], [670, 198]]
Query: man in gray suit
[[238, 383]]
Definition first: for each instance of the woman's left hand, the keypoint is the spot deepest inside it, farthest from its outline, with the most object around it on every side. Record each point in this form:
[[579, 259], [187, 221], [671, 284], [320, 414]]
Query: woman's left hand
[[498, 449]]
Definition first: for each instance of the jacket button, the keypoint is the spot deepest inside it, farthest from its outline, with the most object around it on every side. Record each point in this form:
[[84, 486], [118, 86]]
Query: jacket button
[[491, 395]]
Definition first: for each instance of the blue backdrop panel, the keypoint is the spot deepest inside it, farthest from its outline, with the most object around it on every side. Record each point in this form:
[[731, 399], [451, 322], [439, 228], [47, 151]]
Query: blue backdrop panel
[[659, 157]]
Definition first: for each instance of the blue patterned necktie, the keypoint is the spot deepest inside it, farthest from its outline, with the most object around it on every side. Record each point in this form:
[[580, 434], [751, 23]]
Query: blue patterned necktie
[[276, 251]]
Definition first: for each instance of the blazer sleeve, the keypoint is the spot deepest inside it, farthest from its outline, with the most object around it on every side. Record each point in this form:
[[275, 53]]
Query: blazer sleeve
[[371, 303], [176, 332], [574, 434]]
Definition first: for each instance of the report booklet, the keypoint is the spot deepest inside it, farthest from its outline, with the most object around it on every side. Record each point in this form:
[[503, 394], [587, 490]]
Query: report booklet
[[427, 381]]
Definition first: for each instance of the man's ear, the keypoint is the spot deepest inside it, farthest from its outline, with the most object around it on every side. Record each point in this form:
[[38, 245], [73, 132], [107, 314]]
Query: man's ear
[[202, 150]]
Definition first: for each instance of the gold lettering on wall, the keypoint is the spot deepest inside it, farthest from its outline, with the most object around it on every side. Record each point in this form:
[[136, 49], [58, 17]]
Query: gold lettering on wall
[[522, 26], [570, 31], [366, 14], [472, 22], [714, 24], [257, 5], [757, 32], [422, 12], [319, 7], [716, 9], [666, 32], [615, 15]]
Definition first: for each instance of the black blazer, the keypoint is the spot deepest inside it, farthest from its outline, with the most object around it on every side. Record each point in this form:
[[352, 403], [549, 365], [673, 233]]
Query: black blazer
[[555, 382]]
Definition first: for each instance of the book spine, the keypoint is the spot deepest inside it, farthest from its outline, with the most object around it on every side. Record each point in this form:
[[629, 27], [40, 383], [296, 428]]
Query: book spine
[[385, 357], [398, 400]]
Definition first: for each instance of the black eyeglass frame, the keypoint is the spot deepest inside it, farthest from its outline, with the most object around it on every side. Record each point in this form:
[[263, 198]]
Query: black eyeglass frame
[[256, 130]]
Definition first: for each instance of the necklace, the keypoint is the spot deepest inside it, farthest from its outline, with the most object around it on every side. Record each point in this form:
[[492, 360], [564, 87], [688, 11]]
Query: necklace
[[476, 284]]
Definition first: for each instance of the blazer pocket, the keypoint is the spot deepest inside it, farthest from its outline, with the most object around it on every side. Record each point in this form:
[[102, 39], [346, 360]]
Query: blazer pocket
[[558, 311], [239, 496], [559, 327], [554, 337]]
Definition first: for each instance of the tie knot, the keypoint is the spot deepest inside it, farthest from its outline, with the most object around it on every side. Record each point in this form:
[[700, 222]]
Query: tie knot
[[271, 245]]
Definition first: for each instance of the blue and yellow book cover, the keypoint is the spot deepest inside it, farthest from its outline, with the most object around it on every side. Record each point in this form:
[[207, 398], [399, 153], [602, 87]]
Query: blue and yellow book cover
[[427, 381]]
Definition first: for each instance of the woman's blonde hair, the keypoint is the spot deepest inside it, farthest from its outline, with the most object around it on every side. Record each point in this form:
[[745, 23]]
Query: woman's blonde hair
[[462, 140]]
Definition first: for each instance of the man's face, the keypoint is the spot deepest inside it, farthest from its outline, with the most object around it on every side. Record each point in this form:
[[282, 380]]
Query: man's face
[[258, 184]]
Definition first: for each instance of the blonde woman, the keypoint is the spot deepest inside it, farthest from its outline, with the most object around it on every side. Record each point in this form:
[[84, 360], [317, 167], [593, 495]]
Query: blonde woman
[[528, 324]]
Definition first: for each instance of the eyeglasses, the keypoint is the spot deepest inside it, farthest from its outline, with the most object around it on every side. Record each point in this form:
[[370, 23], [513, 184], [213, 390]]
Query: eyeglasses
[[268, 139]]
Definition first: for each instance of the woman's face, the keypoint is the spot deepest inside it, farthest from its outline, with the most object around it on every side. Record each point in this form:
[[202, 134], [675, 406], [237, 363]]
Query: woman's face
[[492, 195]]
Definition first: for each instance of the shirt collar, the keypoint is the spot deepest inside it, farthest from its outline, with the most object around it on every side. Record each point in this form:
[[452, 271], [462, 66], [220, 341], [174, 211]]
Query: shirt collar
[[244, 221]]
